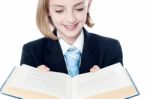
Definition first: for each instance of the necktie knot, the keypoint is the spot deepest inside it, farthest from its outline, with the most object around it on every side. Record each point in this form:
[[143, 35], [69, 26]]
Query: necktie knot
[[72, 57]]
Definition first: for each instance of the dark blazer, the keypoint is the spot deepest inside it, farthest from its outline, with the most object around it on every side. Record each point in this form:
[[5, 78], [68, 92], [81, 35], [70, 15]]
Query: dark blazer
[[97, 50]]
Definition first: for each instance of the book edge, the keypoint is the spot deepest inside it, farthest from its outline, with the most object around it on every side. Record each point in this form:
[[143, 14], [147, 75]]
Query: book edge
[[8, 77], [12, 96], [138, 93], [5, 82]]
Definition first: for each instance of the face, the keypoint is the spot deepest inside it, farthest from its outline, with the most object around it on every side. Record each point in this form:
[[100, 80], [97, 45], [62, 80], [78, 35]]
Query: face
[[68, 17]]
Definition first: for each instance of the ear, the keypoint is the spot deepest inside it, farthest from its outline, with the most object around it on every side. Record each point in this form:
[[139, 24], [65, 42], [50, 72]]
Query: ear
[[89, 4]]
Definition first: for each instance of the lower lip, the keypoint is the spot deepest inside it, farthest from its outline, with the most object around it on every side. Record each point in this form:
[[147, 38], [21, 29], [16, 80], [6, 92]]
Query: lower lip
[[71, 28]]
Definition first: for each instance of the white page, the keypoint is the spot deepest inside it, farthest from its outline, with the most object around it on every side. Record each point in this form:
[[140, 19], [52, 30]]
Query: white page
[[52, 83], [106, 79]]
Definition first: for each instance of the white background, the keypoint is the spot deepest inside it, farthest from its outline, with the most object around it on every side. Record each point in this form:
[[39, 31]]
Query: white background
[[126, 20]]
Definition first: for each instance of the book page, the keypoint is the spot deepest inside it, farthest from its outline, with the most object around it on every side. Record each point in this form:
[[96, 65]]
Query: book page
[[52, 83], [106, 79]]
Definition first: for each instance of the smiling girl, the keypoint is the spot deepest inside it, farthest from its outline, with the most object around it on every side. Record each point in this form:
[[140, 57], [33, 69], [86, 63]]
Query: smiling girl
[[62, 23]]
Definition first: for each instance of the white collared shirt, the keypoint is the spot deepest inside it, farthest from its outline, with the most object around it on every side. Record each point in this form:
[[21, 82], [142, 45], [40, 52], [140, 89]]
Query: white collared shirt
[[78, 43]]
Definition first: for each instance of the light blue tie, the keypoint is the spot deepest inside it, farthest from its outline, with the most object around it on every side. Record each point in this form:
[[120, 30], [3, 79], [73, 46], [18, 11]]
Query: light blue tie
[[72, 58]]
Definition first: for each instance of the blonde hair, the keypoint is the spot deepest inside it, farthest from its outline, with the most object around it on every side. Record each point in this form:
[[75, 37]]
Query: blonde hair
[[44, 22]]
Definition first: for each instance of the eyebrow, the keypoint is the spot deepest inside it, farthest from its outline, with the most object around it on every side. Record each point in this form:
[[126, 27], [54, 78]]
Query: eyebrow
[[57, 5], [80, 3]]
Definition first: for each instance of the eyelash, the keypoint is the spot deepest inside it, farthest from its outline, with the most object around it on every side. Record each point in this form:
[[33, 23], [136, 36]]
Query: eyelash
[[80, 9], [60, 11]]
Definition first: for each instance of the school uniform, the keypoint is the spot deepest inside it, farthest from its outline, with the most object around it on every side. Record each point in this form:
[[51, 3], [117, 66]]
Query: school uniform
[[96, 50]]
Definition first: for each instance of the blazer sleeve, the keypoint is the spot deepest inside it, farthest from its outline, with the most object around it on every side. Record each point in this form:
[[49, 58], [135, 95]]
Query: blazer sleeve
[[117, 55], [113, 53], [26, 57], [29, 56]]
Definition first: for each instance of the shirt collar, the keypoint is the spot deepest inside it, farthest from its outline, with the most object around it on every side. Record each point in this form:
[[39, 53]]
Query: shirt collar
[[78, 43]]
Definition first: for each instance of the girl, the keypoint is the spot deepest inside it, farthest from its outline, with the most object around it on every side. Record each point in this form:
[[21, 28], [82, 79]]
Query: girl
[[62, 23]]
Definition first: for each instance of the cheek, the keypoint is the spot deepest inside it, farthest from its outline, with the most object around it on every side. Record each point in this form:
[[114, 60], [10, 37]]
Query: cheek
[[56, 19], [82, 17]]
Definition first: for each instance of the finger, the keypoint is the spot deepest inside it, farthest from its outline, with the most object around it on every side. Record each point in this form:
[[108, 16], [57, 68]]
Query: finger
[[43, 68], [94, 68]]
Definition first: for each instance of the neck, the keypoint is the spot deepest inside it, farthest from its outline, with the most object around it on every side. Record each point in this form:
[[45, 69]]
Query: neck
[[70, 41]]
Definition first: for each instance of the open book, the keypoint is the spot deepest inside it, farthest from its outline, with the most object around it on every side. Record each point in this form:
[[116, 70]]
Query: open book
[[112, 82]]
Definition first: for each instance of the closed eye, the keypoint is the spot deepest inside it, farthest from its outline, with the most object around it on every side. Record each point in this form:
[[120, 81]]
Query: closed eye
[[58, 11], [80, 9]]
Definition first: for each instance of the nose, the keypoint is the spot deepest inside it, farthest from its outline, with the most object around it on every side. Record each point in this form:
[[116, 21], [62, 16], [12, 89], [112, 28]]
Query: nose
[[70, 17]]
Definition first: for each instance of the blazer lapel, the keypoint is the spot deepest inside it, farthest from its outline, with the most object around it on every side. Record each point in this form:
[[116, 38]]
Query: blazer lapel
[[88, 55], [54, 57], [55, 60]]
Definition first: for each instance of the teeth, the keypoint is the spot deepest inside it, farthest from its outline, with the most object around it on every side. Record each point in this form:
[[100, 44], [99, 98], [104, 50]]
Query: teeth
[[71, 27]]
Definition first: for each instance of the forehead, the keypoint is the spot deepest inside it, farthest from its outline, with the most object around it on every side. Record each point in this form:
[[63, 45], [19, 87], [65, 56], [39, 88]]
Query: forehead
[[66, 2]]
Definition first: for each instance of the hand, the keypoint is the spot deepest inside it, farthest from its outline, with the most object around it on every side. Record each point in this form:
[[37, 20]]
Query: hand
[[43, 68], [94, 68]]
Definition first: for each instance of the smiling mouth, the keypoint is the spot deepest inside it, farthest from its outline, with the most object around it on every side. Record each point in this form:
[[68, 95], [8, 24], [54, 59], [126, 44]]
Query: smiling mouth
[[71, 27]]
